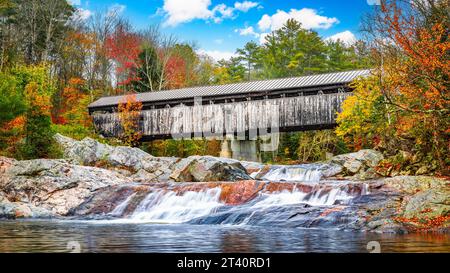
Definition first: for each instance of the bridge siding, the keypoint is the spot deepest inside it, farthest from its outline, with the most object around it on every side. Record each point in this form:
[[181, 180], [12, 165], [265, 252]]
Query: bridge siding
[[244, 116]]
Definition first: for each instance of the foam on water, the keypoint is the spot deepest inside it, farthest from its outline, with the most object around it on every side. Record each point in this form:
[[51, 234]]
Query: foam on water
[[169, 207], [165, 206], [299, 173]]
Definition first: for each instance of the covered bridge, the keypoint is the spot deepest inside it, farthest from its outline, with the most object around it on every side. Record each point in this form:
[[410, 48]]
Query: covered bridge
[[242, 109]]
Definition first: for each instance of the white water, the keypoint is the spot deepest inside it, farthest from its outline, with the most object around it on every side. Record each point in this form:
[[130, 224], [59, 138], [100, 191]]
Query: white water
[[168, 207], [118, 211], [318, 198], [298, 173]]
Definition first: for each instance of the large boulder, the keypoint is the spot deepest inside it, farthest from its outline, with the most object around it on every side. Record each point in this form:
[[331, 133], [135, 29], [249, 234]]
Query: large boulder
[[208, 169], [361, 164], [144, 167], [427, 197], [407, 204], [55, 186], [87, 151]]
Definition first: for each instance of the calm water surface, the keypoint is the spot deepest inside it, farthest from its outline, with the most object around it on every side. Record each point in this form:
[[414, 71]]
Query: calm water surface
[[54, 236]]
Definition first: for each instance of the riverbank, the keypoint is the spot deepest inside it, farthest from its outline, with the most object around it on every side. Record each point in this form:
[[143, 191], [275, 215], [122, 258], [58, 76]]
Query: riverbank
[[97, 181]]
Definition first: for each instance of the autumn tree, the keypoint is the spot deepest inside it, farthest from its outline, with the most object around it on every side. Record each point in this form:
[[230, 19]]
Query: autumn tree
[[124, 47], [411, 47], [149, 72], [12, 109], [156, 59], [130, 116], [38, 132], [230, 71]]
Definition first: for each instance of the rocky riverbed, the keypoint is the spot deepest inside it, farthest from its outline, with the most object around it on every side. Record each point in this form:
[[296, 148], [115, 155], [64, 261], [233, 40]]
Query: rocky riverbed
[[98, 181]]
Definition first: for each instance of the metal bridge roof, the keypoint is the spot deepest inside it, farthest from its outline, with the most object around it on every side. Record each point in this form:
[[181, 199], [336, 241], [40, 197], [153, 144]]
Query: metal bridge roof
[[239, 88]]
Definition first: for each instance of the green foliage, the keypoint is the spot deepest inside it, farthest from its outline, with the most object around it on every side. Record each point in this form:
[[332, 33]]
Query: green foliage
[[309, 146], [231, 71], [293, 51], [183, 148], [314, 146], [38, 132], [75, 131], [25, 105], [11, 98], [250, 55], [38, 74], [149, 72]]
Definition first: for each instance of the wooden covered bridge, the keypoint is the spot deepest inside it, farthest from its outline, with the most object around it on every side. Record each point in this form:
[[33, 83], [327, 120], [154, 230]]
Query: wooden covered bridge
[[250, 108]]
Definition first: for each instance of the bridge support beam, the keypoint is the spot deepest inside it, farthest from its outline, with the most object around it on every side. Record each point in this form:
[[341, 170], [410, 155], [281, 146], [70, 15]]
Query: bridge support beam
[[246, 150]]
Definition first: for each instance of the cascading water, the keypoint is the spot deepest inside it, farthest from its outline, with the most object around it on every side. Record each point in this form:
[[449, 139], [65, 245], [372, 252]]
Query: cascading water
[[119, 210], [170, 207], [299, 173], [206, 207]]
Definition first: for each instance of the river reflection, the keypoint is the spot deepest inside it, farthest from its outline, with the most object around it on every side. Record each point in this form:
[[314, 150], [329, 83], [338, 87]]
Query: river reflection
[[53, 236]]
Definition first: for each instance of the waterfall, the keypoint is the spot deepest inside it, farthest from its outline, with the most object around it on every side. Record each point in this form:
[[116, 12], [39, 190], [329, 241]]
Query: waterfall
[[204, 205], [170, 207], [299, 173], [119, 210], [319, 197]]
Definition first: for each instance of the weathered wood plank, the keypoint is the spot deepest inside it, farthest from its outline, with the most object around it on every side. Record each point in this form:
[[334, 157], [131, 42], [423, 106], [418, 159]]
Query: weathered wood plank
[[237, 117]]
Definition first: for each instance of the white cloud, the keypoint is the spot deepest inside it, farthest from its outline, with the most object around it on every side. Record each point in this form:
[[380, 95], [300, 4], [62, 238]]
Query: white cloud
[[374, 2], [265, 22], [249, 31], [262, 38], [347, 37], [218, 41], [81, 14], [223, 12], [245, 6], [217, 55], [309, 18], [182, 11]]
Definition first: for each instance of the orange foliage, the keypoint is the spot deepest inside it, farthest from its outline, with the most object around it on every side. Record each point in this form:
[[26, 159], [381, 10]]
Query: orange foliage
[[416, 73], [16, 123], [40, 103], [73, 103], [425, 223], [129, 115], [176, 72]]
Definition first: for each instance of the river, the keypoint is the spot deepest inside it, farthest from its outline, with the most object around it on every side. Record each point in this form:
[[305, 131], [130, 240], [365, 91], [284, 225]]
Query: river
[[98, 236]]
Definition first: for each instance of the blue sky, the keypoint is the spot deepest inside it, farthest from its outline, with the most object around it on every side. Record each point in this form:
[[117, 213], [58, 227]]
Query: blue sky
[[218, 27]]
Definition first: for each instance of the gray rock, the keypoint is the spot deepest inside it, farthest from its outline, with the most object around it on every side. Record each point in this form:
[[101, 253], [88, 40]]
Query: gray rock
[[359, 162], [55, 185], [208, 168], [437, 200], [18, 210], [413, 184], [92, 152], [87, 151]]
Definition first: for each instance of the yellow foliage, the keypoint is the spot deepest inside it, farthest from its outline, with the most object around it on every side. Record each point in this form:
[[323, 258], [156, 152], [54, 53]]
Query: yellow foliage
[[129, 115], [361, 111]]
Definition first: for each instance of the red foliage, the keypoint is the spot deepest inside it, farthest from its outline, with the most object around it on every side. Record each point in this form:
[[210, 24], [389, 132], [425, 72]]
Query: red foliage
[[176, 72], [124, 48]]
